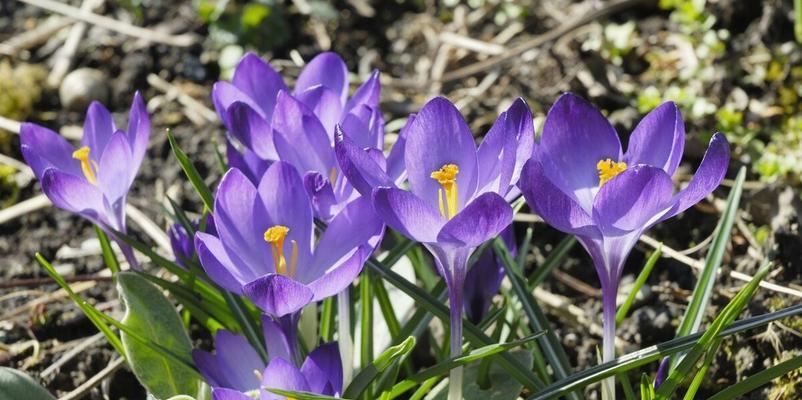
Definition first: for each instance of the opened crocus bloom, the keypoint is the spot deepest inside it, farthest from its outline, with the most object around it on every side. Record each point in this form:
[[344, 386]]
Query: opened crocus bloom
[[236, 372], [457, 193], [92, 180], [582, 183], [265, 244], [273, 123]]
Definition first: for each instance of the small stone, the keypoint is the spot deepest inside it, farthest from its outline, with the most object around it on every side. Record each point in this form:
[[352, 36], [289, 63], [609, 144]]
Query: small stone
[[81, 87]]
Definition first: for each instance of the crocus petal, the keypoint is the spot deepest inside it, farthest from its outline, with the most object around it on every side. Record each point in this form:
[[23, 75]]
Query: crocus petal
[[396, 168], [228, 394], [42, 149], [259, 81], [440, 136], [505, 149], [242, 220], [367, 94], [74, 194], [323, 367], [224, 94], [284, 197], [300, 138], [555, 207], [339, 277], [362, 172], [658, 140], [321, 194], [247, 126], [225, 269], [276, 340], [325, 104], [485, 217], [707, 177], [234, 364], [407, 214], [328, 70], [365, 127], [98, 128], [355, 226], [138, 130], [576, 136], [628, 201], [246, 162], [114, 173], [278, 295], [281, 374]]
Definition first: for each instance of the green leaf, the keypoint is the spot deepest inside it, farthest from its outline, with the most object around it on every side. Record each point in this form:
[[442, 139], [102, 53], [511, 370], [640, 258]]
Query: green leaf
[[503, 386], [692, 319], [549, 343], [154, 318], [798, 20], [192, 173], [759, 379], [623, 309], [362, 380], [654, 353], [16, 385]]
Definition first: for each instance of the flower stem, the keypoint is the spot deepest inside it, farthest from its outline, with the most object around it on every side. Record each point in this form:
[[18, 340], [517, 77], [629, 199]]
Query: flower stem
[[455, 376], [608, 339], [345, 340]]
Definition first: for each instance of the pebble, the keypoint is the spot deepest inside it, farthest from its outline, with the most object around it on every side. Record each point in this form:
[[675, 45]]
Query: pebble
[[81, 87]]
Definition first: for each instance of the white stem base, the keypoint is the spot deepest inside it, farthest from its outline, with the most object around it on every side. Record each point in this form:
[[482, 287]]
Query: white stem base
[[345, 340]]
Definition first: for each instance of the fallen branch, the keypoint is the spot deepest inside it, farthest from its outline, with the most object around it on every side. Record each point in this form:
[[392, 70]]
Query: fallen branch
[[112, 24]]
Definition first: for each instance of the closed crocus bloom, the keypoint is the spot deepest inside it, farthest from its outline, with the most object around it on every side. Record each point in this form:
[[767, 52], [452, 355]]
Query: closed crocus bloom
[[274, 123], [266, 249], [457, 193], [582, 183], [93, 179], [484, 278], [182, 242], [235, 370]]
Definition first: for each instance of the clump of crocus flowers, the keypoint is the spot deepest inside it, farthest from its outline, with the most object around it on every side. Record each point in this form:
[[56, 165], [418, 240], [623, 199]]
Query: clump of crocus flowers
[[316, 153]]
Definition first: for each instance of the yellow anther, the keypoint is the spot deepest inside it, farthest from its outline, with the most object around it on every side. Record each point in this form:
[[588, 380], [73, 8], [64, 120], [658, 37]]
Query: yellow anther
[[609, 169], [446, 176], [333, 175], [87, 165], [275, 236]]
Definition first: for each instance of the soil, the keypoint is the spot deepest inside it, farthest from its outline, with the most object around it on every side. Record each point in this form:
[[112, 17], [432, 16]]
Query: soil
[[398, 41]]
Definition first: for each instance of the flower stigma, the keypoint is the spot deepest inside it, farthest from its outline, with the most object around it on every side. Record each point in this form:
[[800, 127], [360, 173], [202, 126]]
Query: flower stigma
[[609, 169], [275, 236], [446, 176], [87, 166]]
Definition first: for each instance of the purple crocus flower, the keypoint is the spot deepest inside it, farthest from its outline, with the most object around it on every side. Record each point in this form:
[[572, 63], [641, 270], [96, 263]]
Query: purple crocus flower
[[273, 123], [235, 370], [457, 193], [582, 183], [92, 180], [484, 278], [182, 242], [265, 244]]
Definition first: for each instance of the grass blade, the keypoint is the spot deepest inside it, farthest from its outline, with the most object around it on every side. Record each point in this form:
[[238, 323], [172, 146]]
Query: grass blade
[[759, 379], [192, 173], [654, 353], [108, 254], [366, 376], [552, 261], [692, 319], [549, 343], [623, 309]]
